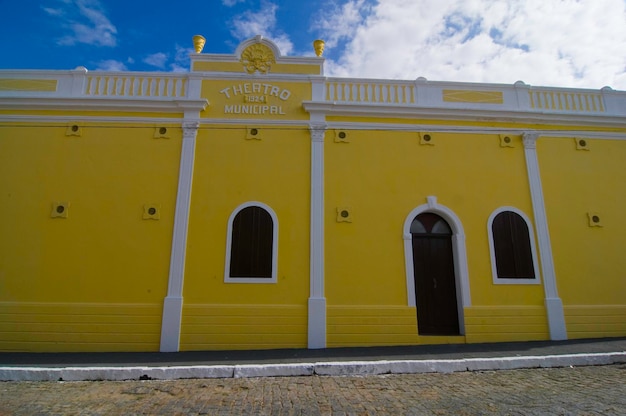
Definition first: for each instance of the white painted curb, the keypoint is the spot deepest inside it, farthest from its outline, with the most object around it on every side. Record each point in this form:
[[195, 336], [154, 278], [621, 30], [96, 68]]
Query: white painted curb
[[274, 370], [336, 368]]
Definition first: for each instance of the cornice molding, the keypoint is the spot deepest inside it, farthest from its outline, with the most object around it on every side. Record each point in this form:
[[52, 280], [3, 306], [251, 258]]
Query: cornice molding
[[243, 76], [101, 104], [303, 125], [99, 119], [446, 128], [462, 114]]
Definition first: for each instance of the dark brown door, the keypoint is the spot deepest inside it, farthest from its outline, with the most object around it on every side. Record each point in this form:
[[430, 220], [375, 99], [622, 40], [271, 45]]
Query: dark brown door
[[433, 270]]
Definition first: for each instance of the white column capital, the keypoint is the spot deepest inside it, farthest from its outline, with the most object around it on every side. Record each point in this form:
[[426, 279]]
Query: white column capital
[[317, 132], [190, 128], [530, 139]]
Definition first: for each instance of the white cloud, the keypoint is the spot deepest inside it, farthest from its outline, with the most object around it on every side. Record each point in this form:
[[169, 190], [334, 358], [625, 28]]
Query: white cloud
[[249, 23], [181, 59], [178, 68], [342, 21], [53, 12], [158, 59], [111, 65], [263, 22], [576, 43], [86, 21], [231, 3]]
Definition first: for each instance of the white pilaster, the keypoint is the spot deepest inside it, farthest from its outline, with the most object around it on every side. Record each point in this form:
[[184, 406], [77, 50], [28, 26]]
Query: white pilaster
[[79, 78], [554, 306], [317, 301], [173, 303]]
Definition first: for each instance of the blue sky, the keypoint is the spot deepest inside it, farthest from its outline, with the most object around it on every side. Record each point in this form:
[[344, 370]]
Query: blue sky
[[572, 43]]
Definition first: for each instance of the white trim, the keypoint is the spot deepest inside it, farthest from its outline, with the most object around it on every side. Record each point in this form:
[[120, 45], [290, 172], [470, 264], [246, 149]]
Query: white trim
[[442, 128], [258, 121], [244, 76], [299, 125], [97, 103], [317, 300], [467, 114], [64, 119], [492, 253], [554, 305], [173, 303], [458, 251], [273, 279]]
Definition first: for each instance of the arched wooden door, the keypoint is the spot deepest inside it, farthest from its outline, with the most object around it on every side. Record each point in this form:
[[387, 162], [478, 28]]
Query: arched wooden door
[[433, 271]]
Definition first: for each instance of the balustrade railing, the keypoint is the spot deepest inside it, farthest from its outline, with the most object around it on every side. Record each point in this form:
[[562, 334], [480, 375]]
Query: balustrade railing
[[519, 97], [370, 92], [384, 93], [135, 86], [566, 101]]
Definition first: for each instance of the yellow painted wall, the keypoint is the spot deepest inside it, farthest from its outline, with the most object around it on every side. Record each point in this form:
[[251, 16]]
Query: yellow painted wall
[[237, 67], [506, 323], [589, 261], [229, 171], [243, 326], [79, 327], [382, 176], [104, 256], [95, 281]]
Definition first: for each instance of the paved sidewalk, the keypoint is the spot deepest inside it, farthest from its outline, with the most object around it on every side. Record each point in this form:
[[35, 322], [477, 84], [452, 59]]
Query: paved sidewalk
[[301, 362], [597, 390]]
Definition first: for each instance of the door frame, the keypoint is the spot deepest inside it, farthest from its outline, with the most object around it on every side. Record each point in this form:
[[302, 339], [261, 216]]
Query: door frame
[[459, 254]]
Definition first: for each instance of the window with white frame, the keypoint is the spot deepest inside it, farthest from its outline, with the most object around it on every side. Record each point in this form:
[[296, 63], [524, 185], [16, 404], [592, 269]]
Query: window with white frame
[[252, 244], [512, 244]]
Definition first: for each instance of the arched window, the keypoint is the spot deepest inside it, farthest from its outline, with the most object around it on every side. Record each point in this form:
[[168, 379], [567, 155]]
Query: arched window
[[252, 244], [513, 255]]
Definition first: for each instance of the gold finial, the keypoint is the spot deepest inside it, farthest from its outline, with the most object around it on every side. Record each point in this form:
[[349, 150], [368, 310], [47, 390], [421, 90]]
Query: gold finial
[[198, 43], [318, 45]]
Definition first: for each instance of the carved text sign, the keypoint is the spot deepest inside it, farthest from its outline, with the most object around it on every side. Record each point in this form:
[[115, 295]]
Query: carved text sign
[[256, 98]]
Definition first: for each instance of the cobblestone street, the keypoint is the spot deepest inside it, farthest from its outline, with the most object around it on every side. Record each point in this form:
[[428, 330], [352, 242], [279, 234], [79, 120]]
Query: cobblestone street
[[560, 391]]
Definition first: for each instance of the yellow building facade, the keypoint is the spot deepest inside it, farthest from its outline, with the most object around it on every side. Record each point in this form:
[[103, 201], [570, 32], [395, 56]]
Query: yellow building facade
[[255, 203]]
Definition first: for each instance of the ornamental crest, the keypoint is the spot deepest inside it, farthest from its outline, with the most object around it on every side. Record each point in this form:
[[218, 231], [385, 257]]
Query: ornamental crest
[[257, 57]]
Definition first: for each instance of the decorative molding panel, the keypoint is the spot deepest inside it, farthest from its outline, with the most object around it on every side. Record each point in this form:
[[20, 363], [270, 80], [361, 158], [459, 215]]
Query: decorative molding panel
[[161, 133], [47, 85], [60, 210], [253, 133], [74, 130], [581, 144], [426, 138], [470, 96], [506, 140], [342, 136], [344, 214], [595, 219], [151, 212]]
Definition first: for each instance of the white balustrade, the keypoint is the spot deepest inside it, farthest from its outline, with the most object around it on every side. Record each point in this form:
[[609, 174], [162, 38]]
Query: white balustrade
[[135, 86], [566, 101], [349, 91], [380, 92], [370, 92]]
